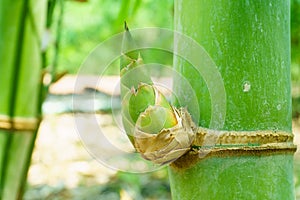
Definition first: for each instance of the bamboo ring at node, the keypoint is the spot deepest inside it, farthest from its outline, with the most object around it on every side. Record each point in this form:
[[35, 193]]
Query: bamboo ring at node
[[185, 144], [18, 123], [211, 143]]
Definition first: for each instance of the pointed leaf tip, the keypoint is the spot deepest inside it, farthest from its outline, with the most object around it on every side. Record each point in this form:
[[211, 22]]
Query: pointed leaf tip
[[125, 26]]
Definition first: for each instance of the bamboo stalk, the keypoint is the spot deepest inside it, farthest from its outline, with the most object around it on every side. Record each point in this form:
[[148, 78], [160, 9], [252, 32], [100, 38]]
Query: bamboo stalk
[[20, 74], [250, 43], [12, 96]]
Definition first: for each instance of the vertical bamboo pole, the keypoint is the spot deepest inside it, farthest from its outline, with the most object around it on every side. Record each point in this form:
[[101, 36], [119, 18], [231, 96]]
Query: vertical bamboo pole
[[21, 25], [249, 41]]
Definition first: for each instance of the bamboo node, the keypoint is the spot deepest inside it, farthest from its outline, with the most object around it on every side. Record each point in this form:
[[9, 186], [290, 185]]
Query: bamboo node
[[212, 143], [241, 137], [18, 123]]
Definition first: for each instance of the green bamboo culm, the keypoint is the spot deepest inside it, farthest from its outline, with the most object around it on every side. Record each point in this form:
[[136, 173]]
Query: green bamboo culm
[[21, 25], [250, 43]]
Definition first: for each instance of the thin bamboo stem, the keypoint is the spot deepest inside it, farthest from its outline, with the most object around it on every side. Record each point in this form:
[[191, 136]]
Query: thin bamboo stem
[[14, 87], [58, 38], [21, 59]]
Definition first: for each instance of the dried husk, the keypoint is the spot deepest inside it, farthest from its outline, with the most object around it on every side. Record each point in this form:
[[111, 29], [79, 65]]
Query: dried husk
[[169, 144]]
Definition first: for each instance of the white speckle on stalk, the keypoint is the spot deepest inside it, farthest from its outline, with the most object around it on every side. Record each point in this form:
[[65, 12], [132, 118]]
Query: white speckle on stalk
[[278, 107], [282, 64], [246, 86], [212, 28]]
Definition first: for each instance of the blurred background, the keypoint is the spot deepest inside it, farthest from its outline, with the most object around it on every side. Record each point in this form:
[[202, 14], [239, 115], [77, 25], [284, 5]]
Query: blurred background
[[61, 166]]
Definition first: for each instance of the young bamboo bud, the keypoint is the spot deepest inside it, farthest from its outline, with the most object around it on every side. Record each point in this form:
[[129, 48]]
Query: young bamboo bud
[[161, 133], [156, 118], [148, 95], [131, 75], [131, 72]]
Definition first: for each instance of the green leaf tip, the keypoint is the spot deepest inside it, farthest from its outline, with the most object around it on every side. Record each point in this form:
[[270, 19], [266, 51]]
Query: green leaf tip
[[125, 26]]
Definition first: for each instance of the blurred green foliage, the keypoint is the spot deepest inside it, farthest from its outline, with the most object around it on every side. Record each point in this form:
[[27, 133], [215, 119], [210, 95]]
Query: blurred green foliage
[[295, 47], [87, 24], [295, 30]]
